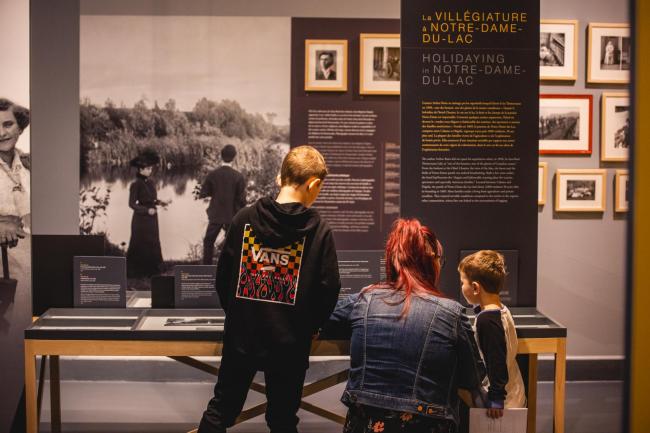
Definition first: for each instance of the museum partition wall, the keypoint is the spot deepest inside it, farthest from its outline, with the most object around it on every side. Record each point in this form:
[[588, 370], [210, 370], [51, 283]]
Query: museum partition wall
[[334, 82]]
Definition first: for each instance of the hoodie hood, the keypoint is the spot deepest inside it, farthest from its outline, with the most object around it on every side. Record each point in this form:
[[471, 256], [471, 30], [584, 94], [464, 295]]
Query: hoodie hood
[[279, 225]]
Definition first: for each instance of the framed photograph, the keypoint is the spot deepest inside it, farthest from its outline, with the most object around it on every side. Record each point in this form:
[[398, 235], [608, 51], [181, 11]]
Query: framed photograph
[[622, 193], [615, 140], [558, 50], [580, 190], [565, 123], [379, 64], [326, 65], [609, 53], [542, 178]]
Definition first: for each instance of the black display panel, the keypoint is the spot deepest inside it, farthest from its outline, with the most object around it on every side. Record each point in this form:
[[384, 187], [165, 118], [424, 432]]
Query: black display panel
[[52, 277], [469, 117]]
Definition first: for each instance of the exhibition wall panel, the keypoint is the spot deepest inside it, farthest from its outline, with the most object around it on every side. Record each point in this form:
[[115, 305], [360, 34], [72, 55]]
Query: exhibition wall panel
[[581, 260]]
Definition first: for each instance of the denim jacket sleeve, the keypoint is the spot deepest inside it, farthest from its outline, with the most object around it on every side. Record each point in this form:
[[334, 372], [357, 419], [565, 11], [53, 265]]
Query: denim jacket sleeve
[[339, 324], [471, 370]]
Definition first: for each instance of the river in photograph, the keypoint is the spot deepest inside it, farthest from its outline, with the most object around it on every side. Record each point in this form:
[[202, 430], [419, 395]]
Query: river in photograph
[[182, 222]]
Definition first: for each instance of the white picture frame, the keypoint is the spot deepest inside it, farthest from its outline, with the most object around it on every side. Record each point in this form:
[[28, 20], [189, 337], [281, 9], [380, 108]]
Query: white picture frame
[[379, 63], [622, 191], [565, 124], [558, 50], [580, 190], [542, 180], [615, 138], [609, 53]]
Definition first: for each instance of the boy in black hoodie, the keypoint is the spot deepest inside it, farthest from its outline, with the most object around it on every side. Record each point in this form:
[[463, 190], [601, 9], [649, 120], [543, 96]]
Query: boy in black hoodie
[[278, 282]]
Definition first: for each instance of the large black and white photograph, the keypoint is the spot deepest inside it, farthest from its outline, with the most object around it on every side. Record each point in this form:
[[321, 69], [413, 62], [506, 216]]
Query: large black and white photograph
[[177, 137], [565, 124], [580, 190], [558, 49], [609, 53], [326, 65], [379, 64], [615, 127]]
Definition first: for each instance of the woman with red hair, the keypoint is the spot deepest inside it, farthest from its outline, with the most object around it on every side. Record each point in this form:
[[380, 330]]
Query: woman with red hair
[[411, 347]]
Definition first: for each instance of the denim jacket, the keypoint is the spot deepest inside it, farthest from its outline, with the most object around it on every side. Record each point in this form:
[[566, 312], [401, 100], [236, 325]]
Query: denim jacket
[[413, 364]]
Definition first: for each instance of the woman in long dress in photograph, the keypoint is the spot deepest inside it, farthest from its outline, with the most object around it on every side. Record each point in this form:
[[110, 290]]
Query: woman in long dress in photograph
[[144, 256]]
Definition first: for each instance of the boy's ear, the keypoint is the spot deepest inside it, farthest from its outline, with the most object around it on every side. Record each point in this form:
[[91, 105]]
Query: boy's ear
[[314, 183], [476, 287], [278, 180]]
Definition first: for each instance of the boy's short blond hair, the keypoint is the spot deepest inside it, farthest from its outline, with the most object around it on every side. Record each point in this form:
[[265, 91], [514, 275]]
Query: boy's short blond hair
[[486, 267], [301, 164]]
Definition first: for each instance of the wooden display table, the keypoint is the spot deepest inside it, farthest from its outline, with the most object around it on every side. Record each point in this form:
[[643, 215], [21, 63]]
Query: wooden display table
[[183, 334]]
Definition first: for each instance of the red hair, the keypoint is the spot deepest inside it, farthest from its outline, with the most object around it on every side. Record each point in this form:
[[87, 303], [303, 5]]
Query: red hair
[[413, 265]]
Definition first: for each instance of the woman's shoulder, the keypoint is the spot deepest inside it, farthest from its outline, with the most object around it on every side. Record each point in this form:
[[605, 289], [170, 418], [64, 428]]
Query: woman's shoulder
[[449, 304]]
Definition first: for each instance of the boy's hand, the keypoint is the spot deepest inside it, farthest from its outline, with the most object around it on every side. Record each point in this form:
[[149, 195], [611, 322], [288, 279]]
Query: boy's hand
[[494, 413]]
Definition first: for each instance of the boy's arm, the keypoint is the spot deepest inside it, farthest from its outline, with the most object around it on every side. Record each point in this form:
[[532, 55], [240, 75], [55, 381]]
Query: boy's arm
[[329, 282], [471, 368], [492, 339], [227, 259]]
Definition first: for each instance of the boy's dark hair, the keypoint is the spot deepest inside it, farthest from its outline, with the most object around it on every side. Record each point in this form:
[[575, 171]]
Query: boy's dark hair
[[20, 113], [228, 153], [300, 164], [486, 267]]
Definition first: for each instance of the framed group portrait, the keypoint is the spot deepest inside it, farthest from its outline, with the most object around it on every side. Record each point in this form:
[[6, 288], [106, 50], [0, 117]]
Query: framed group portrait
[[558, 50], [565, 123], [580, 190], [622, 191], [326, 65], [609, 53], [379, 63], [615, 139], [542, 178]]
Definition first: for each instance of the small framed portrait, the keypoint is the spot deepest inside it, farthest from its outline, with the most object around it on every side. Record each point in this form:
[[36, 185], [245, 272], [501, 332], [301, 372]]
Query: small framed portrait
[[558, 50], [615, 140], [622, 193], [326, 65], [542, 179], [379, 64], [609, 53], [580, 190], [565, 123]]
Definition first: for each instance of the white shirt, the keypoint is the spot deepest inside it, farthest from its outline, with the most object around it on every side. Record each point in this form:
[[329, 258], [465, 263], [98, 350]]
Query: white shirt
[[14, 188]]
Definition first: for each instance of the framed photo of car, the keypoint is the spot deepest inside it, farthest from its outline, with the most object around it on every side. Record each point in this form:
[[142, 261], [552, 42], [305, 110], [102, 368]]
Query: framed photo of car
[[558, 50], [326, 65], [615, 140], [542, 178], [580, 190], [565, 123], [379, 63], [622, 191], [609, 53]]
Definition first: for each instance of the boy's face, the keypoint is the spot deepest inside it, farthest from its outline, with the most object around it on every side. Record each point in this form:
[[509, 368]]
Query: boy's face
[[470, 289]]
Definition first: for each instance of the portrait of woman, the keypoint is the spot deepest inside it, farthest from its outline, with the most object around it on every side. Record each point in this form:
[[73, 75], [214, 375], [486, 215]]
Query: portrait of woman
[[14, 189], [144, 256]]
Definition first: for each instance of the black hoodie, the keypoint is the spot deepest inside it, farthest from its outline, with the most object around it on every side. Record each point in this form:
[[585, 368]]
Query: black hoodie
[[277, 279]]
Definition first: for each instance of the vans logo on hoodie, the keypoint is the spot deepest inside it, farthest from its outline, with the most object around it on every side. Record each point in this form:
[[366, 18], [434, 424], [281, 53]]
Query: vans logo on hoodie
[[269, 274]]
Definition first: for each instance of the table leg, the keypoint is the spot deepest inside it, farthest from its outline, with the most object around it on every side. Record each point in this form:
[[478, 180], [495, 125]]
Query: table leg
[[532, 392], [30, 388], [41, 387], [560, 382], [55, 394]]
